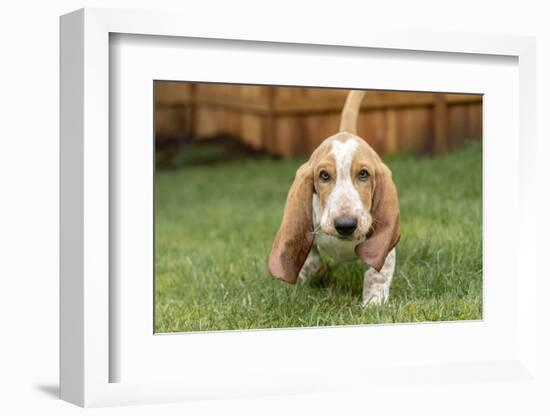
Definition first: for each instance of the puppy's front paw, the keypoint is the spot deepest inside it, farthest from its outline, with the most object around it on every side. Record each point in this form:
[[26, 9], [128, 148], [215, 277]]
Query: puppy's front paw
[[377, 297], [313, 273], [314, 268]]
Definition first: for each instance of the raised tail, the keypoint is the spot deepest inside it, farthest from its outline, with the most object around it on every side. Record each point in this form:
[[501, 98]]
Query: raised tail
[[350, 112]]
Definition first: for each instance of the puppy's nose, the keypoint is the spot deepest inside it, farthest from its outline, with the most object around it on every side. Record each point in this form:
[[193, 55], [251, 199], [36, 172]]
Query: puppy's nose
[[345, 225]]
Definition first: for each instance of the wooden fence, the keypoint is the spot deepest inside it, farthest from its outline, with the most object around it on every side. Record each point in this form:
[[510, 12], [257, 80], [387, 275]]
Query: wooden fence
[[293, 121]]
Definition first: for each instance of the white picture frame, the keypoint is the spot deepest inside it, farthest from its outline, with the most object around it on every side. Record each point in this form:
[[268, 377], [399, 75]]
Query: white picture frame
[[87, 302]]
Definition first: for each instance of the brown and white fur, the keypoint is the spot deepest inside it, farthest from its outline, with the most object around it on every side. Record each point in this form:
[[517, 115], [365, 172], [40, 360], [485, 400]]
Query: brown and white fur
[[343, 201]]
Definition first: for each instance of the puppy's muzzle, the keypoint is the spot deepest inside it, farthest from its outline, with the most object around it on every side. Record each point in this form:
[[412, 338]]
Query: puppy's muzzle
[[345, 226]]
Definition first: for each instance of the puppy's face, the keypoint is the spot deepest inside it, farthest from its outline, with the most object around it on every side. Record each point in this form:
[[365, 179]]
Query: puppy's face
[[344, 175]]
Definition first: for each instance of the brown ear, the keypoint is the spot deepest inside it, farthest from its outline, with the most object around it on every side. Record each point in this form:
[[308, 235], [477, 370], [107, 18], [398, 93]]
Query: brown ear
[[385, 232], [295, 236]]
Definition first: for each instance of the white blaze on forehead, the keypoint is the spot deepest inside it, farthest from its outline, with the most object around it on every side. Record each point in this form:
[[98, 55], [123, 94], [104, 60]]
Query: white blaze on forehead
[[344, 198], [343, 155]]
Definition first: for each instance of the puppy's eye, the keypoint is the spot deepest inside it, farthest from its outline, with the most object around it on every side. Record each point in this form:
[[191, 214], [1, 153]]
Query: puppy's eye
[[363, 175], [324, 176]]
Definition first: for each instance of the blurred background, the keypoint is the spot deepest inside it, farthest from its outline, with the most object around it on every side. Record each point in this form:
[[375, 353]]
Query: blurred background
[[197, 122]]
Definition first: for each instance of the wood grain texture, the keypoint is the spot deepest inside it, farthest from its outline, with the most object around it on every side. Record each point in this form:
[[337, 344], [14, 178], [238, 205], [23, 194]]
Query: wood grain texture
[[292, 121]]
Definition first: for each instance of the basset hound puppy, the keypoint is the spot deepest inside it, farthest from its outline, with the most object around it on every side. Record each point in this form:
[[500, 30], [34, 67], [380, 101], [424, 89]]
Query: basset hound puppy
[[344, 202]]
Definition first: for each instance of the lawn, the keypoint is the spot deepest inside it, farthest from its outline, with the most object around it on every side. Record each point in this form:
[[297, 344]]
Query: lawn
[[215, 224]]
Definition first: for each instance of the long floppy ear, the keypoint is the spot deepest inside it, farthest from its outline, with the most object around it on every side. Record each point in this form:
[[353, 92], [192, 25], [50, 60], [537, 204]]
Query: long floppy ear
[[385, 232], [295, 236]]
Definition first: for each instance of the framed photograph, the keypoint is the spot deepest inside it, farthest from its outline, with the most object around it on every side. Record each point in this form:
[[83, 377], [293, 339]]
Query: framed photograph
[[226, 158], [259, 214]]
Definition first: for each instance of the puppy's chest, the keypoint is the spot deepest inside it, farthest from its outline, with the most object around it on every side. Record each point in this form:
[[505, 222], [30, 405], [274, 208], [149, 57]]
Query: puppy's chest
[[339, 250]]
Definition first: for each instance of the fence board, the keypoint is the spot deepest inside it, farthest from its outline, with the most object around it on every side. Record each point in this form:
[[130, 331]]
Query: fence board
[[293, 121]]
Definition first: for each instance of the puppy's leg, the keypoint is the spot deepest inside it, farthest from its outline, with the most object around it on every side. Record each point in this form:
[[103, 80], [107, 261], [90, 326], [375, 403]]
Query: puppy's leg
[[376, 287], [314, 267]]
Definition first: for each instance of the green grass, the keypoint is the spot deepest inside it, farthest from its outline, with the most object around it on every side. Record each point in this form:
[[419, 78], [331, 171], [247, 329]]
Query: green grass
[[214, 226]]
